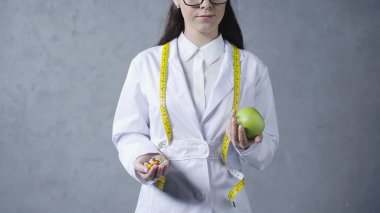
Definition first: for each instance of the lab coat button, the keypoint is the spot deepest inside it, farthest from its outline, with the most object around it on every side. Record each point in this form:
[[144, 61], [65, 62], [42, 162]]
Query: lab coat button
[[199, 195], [203, 149]]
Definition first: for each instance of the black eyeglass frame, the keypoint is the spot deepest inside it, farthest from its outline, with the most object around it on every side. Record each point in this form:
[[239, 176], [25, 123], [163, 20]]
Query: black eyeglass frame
[[184, 1]]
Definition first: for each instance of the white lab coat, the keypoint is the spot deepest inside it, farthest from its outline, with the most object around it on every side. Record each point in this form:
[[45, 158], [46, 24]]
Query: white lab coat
[[197, 180]]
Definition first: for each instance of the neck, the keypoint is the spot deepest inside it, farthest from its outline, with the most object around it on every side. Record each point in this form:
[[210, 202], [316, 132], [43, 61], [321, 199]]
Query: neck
[[200, 38]]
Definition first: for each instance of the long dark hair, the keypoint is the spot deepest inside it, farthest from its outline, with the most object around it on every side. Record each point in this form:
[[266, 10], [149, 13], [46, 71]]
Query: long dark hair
[[228, 27]]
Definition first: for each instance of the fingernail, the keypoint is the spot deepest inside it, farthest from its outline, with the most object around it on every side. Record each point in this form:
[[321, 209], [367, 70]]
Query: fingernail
[[146, 170]]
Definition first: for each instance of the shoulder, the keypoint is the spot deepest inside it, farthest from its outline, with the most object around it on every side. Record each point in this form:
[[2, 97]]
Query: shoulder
[[147, 55], [252, 59], [249, 58], [253, 68], [252, 65]]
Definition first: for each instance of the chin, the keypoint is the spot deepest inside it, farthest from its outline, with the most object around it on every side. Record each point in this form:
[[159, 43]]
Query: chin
[[205, 28]]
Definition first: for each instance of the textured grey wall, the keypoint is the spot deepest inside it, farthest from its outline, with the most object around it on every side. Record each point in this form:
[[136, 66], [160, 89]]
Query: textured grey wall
[[63, 63]]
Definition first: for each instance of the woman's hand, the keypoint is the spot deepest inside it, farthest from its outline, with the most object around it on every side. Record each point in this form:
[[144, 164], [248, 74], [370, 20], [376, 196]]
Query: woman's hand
[[156, 171], [237, 136]]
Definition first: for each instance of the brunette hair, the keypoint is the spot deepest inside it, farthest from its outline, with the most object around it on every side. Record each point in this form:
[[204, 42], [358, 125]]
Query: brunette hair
[[228, 27]]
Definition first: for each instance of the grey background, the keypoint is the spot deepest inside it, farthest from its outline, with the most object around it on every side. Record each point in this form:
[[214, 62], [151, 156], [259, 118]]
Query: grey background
[[63, 63]]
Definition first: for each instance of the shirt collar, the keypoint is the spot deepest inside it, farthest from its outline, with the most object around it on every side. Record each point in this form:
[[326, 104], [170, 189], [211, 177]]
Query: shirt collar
[[211, 51]]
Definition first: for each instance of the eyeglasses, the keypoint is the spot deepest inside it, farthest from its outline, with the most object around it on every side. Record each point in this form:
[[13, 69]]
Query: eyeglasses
[[198, 2]]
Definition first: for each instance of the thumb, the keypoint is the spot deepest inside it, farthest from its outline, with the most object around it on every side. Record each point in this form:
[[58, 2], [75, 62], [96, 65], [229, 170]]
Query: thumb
[[258, 138], [141, 168]]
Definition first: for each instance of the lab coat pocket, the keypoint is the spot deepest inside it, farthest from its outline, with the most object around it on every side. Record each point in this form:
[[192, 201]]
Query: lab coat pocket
[[184, 180]]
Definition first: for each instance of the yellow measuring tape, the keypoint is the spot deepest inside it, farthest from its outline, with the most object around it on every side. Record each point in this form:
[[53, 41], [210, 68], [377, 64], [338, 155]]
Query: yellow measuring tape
[[168, 129], [226, 142], [163, 78], [164, 112]]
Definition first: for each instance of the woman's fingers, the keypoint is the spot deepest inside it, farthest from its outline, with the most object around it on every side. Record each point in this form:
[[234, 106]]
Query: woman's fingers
[[237, 133], [233, 128], [141, 168], [151, 173], [166, 167], [243, 141], [259, 139], [156, 171], [160, 170]]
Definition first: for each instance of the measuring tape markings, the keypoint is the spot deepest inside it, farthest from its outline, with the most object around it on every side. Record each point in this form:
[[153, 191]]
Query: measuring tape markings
[[226, 142], [164, 112], [163, 78]]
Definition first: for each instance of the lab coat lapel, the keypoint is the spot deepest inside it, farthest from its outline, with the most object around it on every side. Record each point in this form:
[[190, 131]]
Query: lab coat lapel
[[178, 89], [224, 83]]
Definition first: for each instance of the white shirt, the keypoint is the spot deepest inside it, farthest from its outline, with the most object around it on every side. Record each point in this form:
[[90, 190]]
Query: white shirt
[[201, 67]]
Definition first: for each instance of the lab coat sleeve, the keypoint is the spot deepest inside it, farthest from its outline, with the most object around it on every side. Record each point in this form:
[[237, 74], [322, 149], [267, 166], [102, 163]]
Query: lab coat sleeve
[[260, 155], [130, 132]]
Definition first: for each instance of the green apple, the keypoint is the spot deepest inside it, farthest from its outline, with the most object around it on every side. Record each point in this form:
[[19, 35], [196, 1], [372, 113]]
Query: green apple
[[251, 120]]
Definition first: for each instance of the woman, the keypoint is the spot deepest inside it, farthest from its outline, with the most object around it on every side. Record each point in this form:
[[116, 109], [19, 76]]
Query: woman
[[176, 105]]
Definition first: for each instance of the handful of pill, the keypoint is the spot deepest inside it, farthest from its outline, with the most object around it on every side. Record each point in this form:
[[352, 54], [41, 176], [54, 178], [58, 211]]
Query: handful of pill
[[152, 162]]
